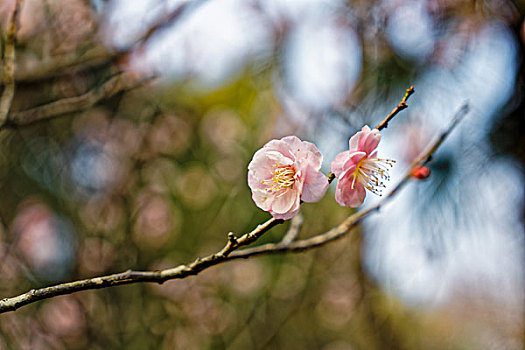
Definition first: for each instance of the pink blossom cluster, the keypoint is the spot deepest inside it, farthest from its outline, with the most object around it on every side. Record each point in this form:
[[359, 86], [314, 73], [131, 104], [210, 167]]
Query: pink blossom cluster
[[286, 172]]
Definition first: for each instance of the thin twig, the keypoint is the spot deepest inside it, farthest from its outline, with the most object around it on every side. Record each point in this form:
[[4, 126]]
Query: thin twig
[[8, 71], [121, 82], [402, 105], [229, 251], [168, 20]]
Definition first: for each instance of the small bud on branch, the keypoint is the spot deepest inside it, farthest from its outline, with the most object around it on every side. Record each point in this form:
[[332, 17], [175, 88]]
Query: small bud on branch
[[420, 172]]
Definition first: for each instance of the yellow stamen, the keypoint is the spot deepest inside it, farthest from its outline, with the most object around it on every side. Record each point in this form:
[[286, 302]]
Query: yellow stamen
[[371, 172], [282, 177]]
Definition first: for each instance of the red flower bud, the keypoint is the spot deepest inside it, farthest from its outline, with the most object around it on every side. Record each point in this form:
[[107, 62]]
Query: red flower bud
[[420, 172]]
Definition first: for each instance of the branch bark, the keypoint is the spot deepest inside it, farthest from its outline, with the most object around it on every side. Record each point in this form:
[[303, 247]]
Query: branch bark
[[121, 82], [230, 252], [8, 64]]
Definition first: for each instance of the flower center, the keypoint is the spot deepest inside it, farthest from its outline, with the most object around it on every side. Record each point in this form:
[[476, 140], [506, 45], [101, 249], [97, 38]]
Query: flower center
[[282, 177], [371, 172]]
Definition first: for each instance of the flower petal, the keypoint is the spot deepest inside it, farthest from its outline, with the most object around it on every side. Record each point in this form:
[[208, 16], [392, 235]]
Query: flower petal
[[346, 161], [347, 196], [348, 171], [263, 163], [355, 141], [293, 141], [353, 159], [308, 154], [285, 216], [262, 199], [337, 164], [369, 141], [282, 147], [315, 185], [255, 183], [285, 201]]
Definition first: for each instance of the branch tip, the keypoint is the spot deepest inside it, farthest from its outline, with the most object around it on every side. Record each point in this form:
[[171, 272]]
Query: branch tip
[[401, 106]]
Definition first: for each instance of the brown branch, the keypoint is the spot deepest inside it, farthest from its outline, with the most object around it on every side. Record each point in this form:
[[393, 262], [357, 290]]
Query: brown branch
[[8, 64], [127, 277], [121, 82], [402, 105], [229, 251]]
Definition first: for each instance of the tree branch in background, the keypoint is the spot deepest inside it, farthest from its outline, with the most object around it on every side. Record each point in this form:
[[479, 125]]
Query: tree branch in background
[[230, 252], [8, 64], [293, 231], [121, 82], [168, 20], [95, 54]]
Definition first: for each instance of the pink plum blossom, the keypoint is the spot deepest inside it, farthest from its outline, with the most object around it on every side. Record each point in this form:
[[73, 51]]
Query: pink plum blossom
[[359, 168], [285, 172]]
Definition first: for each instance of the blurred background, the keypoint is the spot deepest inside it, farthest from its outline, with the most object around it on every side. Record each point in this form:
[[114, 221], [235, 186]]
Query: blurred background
[[142, 163]]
